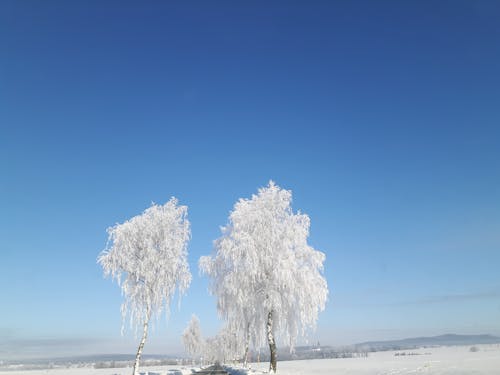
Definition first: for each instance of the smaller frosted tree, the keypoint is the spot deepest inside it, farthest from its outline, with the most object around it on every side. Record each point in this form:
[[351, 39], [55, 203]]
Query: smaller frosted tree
[[224, 347], [192, 337], [147, 256]]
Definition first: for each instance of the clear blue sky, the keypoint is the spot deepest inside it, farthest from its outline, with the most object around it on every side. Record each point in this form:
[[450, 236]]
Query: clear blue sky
[[382, 118]]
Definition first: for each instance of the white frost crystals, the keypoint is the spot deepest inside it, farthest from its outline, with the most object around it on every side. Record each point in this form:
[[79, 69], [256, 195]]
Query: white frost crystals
[[147, 256], [192, 338], [266, 278]]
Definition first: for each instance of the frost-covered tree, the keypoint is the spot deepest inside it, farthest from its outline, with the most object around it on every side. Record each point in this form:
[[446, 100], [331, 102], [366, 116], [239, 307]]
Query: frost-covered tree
[[147, 256], [234, 305], [192, 338], [224, 347], [263, 272]]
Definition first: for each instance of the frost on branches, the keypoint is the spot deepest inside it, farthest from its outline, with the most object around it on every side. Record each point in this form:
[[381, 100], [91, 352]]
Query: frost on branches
[[268, 281], [225, 346], [147, 256], [192, 337]]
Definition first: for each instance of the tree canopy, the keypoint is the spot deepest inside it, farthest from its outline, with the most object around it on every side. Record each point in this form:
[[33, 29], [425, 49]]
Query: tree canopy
[[147, 256], [265, 275]]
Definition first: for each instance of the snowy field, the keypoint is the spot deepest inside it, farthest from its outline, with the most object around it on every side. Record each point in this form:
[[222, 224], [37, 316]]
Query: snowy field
[[457, 360], [444, 360]]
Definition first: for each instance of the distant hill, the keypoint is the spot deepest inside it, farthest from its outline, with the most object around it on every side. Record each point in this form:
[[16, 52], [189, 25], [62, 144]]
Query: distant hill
[[417, 342]]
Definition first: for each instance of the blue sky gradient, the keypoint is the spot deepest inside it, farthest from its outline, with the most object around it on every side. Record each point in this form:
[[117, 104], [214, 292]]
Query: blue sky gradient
[[382, 118]]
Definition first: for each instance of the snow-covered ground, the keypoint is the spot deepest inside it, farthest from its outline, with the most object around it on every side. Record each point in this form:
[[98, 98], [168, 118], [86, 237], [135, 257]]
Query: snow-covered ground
[[457, 360]]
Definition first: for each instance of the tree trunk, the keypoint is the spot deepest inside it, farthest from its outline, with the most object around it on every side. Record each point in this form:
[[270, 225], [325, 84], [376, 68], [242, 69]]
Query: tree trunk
[[247, 345], [141, 346], [245, 359], [272, 343]]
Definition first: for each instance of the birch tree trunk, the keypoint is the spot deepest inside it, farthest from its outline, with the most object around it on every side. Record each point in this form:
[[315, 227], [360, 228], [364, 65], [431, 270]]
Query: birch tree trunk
[[245, 359], [272, 343], [247, 345], [141, 346]]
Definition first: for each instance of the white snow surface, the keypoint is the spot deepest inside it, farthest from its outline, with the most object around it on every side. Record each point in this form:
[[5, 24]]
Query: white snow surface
[[457, 360]]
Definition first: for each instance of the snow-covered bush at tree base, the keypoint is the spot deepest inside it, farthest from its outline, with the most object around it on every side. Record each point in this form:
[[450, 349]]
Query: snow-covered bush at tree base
[[266, 277], [147, 256]]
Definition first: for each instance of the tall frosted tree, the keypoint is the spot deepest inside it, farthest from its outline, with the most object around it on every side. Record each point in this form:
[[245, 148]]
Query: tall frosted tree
[[147, 256], [267, 279]]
